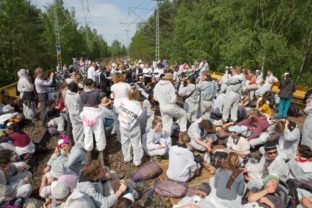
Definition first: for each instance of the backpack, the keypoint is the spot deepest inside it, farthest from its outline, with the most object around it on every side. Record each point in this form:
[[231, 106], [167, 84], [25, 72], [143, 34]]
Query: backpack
[[209, 91], [148, 171], [294, 111], [171, 188]]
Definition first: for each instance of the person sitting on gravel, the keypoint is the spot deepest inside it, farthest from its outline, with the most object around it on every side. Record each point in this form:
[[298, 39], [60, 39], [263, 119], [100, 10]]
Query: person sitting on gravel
[[14, 178], [18, 141], [229, 184], [254, 128], [182, 164], [105, 188], [155, 141], [301, 166], [63, 197], [270, 164], [202, 135], [52, 117], [56, 164], [289, 137]]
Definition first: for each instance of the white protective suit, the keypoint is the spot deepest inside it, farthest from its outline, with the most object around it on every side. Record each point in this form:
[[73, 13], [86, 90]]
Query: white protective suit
[[92, 120], [278, 168], [130, 130], [191, 102], [74, 107], [196, 133], [182, 166], [152, 140], [300, 171], [15, 186], [307, 130], [288, 143], [98, 193], [24, 85], [208, 91], [78, 200], [223, 81], [164, 93], [232, 96], [266, 87]]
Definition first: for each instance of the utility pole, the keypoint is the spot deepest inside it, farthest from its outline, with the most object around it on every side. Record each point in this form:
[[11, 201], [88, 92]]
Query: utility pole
[[57, 38], [157, 48], [128, 51]]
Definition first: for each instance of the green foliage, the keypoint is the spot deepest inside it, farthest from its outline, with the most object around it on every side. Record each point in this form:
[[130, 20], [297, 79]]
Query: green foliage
[[255, 33], [27, 38]]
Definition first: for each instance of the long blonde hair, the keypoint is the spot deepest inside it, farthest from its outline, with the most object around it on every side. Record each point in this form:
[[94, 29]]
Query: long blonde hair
[[133, 94]]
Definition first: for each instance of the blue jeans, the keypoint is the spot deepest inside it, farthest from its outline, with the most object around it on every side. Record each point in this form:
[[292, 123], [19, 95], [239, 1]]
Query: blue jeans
[[283, 107]]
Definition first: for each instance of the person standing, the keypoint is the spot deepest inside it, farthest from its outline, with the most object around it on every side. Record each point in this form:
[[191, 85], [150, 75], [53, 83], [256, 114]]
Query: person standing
[[165, 94], [92, 119], [232, 95], [42, 90], [26, 89], [287, 88], [74, 107]]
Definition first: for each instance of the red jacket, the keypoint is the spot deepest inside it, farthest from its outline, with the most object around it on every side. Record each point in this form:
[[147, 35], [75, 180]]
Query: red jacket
[[20, 139], [256, 126]]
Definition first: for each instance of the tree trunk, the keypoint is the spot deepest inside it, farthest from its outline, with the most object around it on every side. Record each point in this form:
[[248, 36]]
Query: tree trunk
[[306, 52]]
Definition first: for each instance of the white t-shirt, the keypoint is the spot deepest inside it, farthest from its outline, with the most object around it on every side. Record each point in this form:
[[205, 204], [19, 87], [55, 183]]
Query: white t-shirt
[[147, 72], [120, 90], [159, 72], [91, 73]]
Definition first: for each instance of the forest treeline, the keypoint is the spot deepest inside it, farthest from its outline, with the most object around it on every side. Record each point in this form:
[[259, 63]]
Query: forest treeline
[[259, 34], [27, 38]]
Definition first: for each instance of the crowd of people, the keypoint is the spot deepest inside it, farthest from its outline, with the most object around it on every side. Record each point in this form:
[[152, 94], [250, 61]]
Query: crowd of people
[[178, 113]]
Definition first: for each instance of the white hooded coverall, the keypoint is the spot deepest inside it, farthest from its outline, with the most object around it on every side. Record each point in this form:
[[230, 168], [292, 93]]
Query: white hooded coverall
[[130, 130], [164, 93], [92, 120]]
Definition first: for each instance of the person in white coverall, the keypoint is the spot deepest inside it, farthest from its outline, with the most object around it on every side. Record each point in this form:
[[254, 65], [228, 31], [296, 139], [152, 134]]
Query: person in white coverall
[[232, 96], [119, 91], [182, 165], [207, 89], [200, 134], [307, 130], [266, 87], [289, 136], [164, 93], [270, 164], [74, 107], [224, 78], [191, 95], [129, 112], [156, 141], [92, 119]]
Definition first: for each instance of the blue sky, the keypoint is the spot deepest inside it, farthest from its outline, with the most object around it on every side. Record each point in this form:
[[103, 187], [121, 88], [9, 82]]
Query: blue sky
[[109, 17]]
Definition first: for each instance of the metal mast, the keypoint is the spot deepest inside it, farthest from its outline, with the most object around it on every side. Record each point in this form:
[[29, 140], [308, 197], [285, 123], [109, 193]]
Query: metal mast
[[157, 49], [57, 37]]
